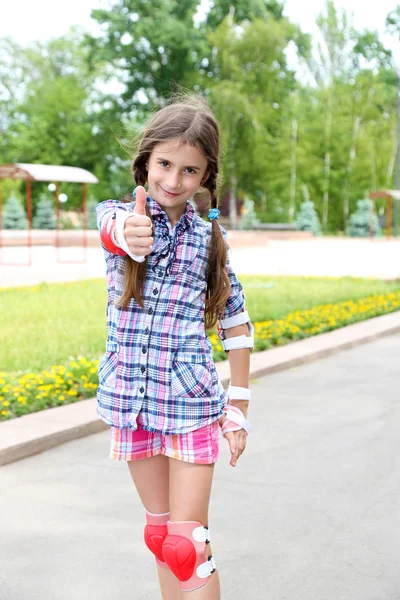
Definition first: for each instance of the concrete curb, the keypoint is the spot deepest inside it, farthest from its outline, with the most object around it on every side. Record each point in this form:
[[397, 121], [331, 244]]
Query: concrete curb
[[31, 434]]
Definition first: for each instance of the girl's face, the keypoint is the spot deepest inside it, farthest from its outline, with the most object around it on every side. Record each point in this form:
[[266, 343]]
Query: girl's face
[[175, 173]]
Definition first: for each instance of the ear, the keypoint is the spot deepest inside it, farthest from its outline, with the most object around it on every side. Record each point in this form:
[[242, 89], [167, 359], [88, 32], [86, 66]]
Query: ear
[[206, 176]]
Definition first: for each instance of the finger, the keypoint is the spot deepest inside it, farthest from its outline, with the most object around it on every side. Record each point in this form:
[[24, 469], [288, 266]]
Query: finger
[[136, 220], [139, 251], [138, 231], [139, 242], [140, 206], [232, 447]]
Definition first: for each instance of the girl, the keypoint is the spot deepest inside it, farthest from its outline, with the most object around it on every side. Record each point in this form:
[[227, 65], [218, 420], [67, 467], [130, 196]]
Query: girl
[[169, 279]]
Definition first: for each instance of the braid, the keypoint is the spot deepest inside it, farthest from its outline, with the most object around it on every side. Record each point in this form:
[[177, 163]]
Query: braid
[[218, 285]]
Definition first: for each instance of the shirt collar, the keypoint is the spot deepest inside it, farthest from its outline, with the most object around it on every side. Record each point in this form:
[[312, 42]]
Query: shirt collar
[[186, 220]]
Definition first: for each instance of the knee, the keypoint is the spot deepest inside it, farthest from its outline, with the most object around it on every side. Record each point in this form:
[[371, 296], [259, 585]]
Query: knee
[[187, 553], [155, 533]]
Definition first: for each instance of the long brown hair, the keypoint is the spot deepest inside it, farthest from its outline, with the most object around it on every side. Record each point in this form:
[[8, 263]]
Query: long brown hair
[[192, 122]]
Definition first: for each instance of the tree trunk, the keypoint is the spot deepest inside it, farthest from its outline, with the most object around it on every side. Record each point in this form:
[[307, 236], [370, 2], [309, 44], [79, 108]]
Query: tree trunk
[[327, 165], [352, 155], [293, 170], [232, 203]]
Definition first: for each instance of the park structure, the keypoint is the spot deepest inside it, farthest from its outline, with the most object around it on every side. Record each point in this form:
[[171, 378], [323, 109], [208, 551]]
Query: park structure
[[54, 174]]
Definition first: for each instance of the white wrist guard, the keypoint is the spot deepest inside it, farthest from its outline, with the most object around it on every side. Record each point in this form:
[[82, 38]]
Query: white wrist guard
[[235, 420], [121, 217], [238, 393], [239, 341]]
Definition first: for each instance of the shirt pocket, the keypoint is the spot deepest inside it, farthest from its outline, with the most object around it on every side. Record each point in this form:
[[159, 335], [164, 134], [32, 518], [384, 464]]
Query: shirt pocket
[[191, 375], [108, 366]]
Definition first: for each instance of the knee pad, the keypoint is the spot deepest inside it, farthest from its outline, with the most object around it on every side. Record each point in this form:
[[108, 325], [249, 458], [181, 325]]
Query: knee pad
[[184, 552], [155, 533]]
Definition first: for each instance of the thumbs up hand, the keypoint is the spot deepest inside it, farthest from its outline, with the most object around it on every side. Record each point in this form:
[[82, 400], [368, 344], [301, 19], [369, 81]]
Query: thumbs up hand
[[138, 227]]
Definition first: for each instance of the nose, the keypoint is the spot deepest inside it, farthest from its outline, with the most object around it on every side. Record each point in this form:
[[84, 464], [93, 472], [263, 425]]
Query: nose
[[174, 180]]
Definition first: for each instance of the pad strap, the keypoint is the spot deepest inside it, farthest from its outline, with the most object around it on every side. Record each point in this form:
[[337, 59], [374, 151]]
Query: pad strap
[[184, 552], [239, 319], [239, 341], [238, 393], [235, 420]]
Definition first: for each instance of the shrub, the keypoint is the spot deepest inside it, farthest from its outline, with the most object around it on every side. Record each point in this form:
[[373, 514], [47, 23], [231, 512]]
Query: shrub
[[14, 215], [45, 214], [307, 218], [363, 220]]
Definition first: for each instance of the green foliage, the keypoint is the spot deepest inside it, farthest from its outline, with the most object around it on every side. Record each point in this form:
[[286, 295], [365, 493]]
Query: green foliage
[[307, 219], [363, 221], [154, 45], [45, 214], [14, 215], [78, 100]]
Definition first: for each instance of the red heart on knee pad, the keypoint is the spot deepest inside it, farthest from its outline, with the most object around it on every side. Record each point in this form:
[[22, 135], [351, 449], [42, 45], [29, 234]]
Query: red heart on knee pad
[[154, 536], [180, 555]]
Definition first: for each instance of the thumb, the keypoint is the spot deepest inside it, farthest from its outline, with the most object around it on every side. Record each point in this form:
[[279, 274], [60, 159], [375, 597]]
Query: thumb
[[140, 206]]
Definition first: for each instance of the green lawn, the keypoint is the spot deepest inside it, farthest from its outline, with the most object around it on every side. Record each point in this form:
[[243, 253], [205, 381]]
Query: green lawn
[[47, 324]]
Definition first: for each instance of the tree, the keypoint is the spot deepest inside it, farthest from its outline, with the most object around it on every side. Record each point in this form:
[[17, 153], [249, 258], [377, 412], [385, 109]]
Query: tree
[[307, 219], [242, 10], [364, 221], [45, 214], [393, 20], [247, 91], [57, 112], [14, 215], [153, 48]]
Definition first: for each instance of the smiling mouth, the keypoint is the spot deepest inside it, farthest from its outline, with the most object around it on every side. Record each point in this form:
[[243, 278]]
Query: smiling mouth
[[169, 193]]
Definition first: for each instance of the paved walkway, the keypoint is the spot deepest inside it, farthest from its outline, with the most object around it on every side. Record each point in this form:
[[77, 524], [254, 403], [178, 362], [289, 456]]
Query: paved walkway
[[334, 257], [310, 513]]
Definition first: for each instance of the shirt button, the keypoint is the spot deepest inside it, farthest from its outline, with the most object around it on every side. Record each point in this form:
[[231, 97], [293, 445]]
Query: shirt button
[[146, 330], [155, 292], [150, 311], [141, 390], [160, 273], [142, 368], [144, 349]]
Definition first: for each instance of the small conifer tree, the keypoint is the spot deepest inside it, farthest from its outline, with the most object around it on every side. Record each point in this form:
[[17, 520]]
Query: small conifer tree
[[307, 219], [45, 215], [14, 215], [363, 220]]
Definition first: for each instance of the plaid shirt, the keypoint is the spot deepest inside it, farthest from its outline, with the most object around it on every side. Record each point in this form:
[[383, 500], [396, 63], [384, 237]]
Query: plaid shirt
[[158, 361]]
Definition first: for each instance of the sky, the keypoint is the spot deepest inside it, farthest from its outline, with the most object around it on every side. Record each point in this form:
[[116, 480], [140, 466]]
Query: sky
[[27, 20]]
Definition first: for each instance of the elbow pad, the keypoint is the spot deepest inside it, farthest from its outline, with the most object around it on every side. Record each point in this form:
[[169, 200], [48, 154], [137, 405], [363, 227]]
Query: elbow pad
[[239, 341]]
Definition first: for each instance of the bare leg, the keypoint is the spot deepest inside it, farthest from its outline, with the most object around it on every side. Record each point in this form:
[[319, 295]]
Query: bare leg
[[189, 498], [151, 479]]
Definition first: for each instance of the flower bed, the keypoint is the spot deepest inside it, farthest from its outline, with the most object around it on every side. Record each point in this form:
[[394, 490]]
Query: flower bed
[[31, 392]]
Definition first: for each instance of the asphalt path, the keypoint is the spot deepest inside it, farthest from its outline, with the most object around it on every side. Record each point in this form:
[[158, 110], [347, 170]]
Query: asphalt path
[[311, 512]]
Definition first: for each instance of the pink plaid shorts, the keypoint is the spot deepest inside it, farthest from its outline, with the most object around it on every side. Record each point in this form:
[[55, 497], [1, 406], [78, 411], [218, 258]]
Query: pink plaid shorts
[[200, 446]]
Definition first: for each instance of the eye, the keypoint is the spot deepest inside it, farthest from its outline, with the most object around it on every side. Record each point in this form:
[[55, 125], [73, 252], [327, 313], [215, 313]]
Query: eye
[[191, 171], [164, 163]]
